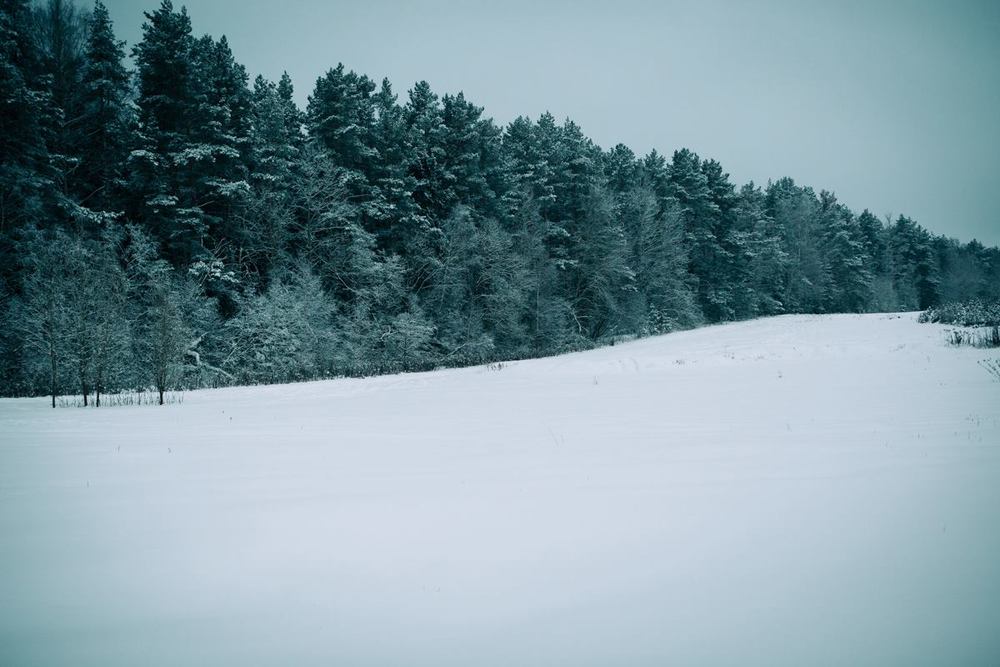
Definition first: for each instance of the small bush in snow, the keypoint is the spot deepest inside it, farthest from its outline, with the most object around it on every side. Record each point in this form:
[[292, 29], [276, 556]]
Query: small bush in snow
[[971, 313], [983, 316]]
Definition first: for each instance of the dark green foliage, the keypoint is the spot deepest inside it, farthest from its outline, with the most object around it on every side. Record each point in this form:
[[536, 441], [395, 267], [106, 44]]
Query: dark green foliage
[[194, 230], [915, 265], [341, 118], [166, 76], [27, 174], [105, 121], [189, 180], [760, 261], [847, 261]]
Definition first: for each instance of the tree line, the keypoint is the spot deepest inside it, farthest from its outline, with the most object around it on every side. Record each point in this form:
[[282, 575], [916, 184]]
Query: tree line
[[180, 225]]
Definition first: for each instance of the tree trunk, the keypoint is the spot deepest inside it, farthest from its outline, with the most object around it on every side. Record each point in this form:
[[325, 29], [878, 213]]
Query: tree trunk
[[53, 379], [160, 389]]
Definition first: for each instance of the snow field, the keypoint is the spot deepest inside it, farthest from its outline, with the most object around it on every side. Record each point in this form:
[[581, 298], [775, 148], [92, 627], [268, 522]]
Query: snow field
[[818, 490]]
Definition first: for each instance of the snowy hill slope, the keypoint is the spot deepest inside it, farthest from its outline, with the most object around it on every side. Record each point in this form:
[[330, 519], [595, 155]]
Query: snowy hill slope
[[795, 490]]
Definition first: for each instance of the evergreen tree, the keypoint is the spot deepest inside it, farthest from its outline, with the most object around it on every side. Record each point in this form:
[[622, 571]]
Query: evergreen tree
[[213, 167], [340, 117], [393, 215], [760, 262], [915, 267], [550, 322], [847, 262], [165, 70], [190, 180], [690, 189], [659, 255], [105, 121], [875, 241], [451, 299], [26, 174], [718, 268], [276, 146], [166, 112], [501, 288], [208, 232], [60, 30], [795, 211]]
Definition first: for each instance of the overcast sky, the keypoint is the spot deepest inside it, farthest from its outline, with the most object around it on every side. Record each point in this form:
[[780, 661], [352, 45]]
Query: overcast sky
[[895, 105]]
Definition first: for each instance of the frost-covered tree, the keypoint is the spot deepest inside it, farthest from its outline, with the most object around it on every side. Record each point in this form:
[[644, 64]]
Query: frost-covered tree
[[760, 261], [111, 328], [914, 264], [659, 299], [847, 261], [164, 334], [193, 230], [796, 212], [194, 109], [284, 334], [43, 316], [276, 144]]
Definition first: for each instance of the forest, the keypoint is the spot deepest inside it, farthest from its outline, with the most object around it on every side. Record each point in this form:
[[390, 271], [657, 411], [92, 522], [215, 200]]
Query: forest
[[167, 223]]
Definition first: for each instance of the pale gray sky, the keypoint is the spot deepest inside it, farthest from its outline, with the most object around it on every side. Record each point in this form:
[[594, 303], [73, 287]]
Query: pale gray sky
[[893, 105]]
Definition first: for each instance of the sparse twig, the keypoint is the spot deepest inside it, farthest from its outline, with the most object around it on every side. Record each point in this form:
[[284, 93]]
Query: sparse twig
[[992, 367]]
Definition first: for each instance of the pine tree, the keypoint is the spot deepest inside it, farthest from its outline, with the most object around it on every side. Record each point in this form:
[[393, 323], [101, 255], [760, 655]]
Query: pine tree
[[105, 122], [549, 319], [166, 78], [166, 112], [59, 32], [471, 157], [340, 117], [190, 180], [915, 266], [276, 145], [850, 288], [27, 177], [657, 251], [451, 298], [689, 188], [393, 215], [795, 210], [213, 165], [760, 262], [425, 137], [874, 236]]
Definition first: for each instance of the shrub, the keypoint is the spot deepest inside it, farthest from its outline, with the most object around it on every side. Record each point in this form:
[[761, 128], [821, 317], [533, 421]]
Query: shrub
[[982, 316], [972, 313]]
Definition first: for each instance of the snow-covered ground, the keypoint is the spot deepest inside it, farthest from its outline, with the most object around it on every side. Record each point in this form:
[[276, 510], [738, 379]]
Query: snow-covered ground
[[788, 491]]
